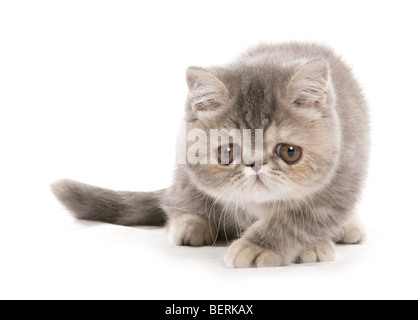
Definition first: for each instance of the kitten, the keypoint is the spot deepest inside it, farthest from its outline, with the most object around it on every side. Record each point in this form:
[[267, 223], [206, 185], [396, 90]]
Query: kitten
[[295, 199]]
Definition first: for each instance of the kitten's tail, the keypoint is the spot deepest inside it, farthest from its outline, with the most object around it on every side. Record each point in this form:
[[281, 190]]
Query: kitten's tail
[[117, 207]]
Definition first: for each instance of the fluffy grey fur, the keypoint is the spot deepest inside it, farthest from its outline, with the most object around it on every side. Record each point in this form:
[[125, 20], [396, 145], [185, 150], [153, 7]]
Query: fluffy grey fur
[[300, 94]]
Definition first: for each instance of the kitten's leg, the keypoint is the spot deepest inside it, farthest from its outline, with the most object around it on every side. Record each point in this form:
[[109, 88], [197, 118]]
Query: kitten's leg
[[260, 248], [245, 254], [278, 241], [322, 252], [191, 215], [352, 233], [190, 229]]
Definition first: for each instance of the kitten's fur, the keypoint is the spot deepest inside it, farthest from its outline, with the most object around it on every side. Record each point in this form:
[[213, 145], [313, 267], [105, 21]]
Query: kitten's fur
[[298, 93]]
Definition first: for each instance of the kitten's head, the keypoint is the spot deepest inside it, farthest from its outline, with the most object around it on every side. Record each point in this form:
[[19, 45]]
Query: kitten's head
[[291, 107]]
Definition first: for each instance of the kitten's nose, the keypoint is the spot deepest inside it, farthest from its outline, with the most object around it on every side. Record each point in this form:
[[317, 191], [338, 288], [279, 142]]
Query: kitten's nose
[[257, 165]]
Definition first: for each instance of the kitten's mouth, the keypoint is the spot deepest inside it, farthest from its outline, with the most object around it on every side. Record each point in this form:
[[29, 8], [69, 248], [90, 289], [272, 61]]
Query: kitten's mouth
[[259, 183]]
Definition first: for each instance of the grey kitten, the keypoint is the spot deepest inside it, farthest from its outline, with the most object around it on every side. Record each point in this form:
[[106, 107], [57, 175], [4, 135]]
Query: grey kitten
[[296, 198]]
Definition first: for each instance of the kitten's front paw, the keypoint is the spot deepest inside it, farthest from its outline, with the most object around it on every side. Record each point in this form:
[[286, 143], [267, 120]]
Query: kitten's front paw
[[190, 229], [322, 252], [244, 254], [352, 233]]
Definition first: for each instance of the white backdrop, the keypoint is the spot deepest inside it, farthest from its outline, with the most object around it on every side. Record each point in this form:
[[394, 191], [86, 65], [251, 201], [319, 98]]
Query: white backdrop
[[86, 85]]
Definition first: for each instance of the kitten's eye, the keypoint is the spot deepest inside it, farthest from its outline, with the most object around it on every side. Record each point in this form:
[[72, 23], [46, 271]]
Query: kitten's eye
[[227, 154], [288, 153]]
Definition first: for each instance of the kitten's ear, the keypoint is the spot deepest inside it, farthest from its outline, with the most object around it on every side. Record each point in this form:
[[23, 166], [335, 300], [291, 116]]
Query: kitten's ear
[[309, 86], [207, 92]]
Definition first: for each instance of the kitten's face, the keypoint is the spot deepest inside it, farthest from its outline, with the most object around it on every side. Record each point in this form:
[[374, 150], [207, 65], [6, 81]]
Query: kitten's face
[[300, 147]]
